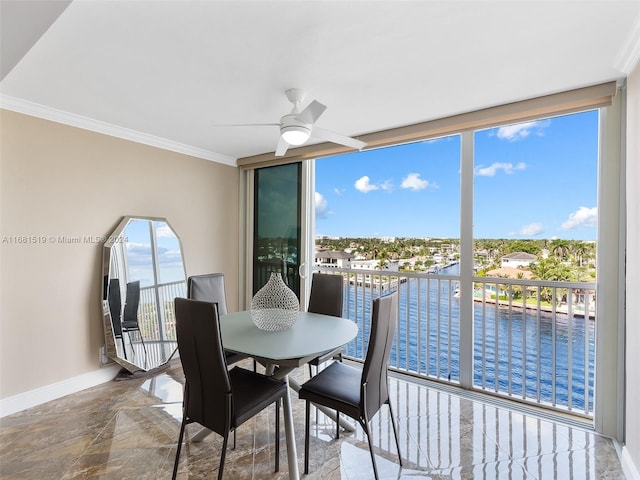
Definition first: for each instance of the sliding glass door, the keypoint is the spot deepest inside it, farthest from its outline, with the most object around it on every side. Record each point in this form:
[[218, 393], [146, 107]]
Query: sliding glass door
[[277, 224]]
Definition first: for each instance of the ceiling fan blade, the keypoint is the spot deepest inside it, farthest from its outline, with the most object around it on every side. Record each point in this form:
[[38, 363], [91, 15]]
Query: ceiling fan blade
[[282, 147], [245, 125], [311, 113], [330, 136]]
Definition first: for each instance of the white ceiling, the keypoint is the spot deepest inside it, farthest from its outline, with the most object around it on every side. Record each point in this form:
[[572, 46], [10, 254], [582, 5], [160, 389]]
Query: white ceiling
[[166, 73]]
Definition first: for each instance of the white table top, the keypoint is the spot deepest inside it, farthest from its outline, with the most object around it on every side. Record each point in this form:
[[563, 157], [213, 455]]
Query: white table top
[[311, 335]]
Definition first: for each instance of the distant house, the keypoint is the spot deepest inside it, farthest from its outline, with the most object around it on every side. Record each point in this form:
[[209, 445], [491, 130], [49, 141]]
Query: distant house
[[391, 265], [510, 272], [517, 259], [324, 258]]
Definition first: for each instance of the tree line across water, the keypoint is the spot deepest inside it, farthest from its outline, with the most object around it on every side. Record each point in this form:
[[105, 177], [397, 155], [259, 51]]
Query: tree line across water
[[557, 259]]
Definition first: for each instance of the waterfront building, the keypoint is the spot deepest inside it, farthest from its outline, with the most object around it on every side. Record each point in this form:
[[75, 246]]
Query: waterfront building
[[518, 259], [324, 258]]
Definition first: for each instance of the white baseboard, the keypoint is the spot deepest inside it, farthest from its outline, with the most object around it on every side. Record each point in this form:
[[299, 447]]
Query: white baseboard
[[41, 395], [628, 467]]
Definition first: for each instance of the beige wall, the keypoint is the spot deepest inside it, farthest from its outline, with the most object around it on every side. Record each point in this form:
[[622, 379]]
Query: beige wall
[[632, 417], [59, 180]]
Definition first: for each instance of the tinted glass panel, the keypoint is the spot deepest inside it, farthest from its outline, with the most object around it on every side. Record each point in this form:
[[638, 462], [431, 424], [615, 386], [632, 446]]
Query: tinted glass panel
[[277, 225]]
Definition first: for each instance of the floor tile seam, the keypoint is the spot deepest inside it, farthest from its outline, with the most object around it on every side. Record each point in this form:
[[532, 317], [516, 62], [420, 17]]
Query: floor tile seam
[[533, 476], [93, 442], [416, 441]]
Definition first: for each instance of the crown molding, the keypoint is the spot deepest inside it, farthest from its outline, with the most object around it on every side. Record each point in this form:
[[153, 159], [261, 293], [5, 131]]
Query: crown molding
[[41, 111], [630, 55]]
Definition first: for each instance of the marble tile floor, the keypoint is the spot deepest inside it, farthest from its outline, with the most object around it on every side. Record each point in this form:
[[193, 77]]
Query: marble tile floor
[[128, 430]]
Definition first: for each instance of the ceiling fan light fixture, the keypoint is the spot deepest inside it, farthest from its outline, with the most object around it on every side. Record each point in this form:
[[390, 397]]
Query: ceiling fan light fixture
[[295, 134]]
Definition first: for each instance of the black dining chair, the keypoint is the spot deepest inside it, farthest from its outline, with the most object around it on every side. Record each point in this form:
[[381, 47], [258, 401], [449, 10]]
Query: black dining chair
[[114, 297], [215, 397], [326, 297], [354, 392], [130, 315], [210, 288]]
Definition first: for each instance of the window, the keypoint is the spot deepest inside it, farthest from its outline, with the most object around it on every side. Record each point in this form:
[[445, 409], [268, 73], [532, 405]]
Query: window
[[277, 225]]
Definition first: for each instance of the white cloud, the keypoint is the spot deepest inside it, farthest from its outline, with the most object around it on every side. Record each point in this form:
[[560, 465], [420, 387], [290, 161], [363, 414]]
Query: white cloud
[[387, 186], [363, 184], [520, 131], [531, 230], [414, 182], [321, 206], [507, 168], [338, 191], [165, 231], [584, 217]]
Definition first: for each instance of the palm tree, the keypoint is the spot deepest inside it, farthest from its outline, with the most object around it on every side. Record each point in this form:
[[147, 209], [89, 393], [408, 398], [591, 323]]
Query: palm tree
[[517, 290], [560, 248], [544, 270], [580, 249], [383, 256], [550, 269]]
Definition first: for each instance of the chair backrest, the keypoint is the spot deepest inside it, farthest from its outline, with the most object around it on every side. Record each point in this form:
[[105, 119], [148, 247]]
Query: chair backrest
[[131, 302], [115, 306], [374, 373], [208, 386], [327, 292], [208, 288]]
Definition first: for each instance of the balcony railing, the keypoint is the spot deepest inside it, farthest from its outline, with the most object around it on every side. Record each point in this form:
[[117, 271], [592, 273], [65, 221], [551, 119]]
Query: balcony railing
[[533, 341], [157, 321], [156, 314]]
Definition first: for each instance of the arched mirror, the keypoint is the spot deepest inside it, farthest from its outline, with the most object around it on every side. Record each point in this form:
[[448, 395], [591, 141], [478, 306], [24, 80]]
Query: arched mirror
[[143, 272]]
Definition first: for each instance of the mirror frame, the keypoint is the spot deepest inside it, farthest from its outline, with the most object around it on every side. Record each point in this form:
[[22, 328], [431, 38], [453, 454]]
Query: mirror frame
[[118, 236]]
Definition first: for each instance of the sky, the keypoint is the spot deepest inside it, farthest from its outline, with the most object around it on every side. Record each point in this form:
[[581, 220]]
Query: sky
[[139, 259], [533, 180]]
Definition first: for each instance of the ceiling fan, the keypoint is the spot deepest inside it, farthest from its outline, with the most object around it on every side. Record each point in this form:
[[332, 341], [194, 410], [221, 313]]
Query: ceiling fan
[[298, 126]]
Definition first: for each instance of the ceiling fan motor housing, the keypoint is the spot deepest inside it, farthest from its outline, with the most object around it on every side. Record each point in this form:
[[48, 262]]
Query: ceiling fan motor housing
[[293, 131]]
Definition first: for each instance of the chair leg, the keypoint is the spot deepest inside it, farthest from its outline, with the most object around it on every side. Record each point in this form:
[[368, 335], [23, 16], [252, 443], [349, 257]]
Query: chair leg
[[124, 348], [337, 424], [365, 427], [306, 438], [177, 460], [133, 350], [234, 439], [395, 432], [277, 435], [223, 455], [143, 345]]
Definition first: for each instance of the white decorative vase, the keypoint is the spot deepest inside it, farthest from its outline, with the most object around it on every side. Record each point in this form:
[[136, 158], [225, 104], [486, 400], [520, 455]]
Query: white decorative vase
[[274, 307]]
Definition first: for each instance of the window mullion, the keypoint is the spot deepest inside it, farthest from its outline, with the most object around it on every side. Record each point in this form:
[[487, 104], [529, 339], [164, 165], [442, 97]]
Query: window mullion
[[466, 260]]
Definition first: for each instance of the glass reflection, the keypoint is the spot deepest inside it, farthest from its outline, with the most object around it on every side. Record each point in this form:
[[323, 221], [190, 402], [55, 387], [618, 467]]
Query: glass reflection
[[144, 274], [277, 226]]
